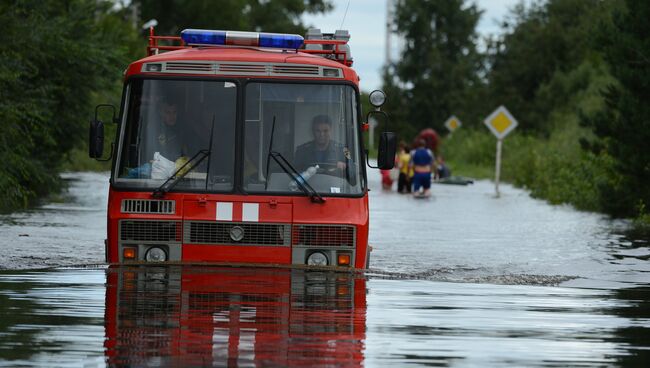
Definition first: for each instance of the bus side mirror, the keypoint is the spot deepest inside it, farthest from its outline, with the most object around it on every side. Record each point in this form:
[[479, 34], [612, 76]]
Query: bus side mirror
[[96, 139], [96, 135], [386, 150], [387, 141]]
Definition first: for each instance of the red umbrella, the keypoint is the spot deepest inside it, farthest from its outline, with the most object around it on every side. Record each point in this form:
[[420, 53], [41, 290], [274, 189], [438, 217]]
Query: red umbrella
[[430, 137]]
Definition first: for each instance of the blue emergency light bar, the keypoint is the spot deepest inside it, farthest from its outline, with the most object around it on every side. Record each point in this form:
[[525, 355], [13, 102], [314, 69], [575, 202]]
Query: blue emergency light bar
[[237, 38]]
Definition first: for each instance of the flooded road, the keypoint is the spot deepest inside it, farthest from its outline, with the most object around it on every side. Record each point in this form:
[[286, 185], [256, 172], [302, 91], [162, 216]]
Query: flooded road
[[463, 279], [68, 232]]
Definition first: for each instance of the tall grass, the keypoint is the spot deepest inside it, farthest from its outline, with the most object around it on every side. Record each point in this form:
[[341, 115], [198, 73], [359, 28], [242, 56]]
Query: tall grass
[[555, 168]]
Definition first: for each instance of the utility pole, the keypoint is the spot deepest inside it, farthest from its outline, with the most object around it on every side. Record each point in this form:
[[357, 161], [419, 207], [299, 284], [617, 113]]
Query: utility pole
[[390, 18], [389, 31], [394, 43], [135, 15], [390, 8]]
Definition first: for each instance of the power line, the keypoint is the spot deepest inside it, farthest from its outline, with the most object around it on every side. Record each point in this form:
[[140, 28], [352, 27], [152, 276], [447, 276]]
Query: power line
[[345, 14]]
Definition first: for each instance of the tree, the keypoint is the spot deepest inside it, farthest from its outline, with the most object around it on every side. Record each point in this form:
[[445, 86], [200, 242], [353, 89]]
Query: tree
[[439, 65], [623, 127], [47, 83], [242, 15], [540, 42]]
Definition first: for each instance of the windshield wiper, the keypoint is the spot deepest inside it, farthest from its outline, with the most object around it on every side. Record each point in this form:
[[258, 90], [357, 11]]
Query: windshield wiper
[[289, 170], [180, 173], [295, 175]]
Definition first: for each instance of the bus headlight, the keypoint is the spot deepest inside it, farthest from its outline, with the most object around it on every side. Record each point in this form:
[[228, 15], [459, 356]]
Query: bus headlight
[[155, 254], [317, 259]]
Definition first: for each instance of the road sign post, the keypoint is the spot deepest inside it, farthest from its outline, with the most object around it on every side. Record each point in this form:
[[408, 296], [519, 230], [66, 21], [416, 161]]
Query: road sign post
[[500, 123], [497, 169]]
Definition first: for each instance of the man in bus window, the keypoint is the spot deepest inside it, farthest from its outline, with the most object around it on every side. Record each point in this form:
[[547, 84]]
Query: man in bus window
[[165, 131], [322, 150], [164, 144], [169, 147]]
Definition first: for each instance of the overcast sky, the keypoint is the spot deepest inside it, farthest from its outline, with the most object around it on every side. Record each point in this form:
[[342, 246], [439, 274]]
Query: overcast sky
[[366, 20]]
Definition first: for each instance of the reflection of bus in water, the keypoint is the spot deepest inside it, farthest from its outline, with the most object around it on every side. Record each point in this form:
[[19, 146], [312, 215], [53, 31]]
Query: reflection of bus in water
[[223, 316], [241, 147]]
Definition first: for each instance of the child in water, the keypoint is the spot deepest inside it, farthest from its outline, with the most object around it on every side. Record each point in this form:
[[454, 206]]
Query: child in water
[[405, 170]]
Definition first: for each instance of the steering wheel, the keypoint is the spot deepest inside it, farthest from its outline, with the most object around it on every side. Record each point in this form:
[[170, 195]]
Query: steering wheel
[[328, 168]]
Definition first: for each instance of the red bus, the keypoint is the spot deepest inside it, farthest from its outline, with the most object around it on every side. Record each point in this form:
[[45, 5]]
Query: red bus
[[241, 147]]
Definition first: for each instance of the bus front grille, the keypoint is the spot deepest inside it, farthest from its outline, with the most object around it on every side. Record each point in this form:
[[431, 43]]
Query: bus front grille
[[150, 231], [236, 233], [324, 235], [148, 206]]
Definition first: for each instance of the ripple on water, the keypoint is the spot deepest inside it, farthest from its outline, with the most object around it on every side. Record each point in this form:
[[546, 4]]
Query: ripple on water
[[474, 275], [279, 317]]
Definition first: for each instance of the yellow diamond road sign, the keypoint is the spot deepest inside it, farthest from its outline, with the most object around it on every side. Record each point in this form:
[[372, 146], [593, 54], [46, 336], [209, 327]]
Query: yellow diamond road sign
[[501, 122], [453, 123]]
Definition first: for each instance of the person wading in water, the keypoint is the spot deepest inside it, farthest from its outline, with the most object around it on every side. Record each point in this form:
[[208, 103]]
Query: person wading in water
[[422, 161]]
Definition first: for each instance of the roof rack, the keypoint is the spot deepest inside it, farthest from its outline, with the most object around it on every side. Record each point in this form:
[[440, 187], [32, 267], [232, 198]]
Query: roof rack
[[155, 48], [335, 53], [334, 49]]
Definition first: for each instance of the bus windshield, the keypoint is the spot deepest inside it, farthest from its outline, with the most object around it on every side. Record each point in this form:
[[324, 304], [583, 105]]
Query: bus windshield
[[170, 121], [312, 128]]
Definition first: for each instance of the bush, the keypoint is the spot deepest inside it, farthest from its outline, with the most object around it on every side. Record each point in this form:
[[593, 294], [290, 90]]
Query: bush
[[552, 168], [69, 53]]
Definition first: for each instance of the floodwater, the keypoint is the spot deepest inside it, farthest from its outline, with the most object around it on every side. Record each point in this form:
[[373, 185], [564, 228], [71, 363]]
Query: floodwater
[[463, 279]]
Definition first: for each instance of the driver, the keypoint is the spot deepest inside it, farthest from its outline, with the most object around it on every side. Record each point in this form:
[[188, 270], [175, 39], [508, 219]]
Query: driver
[[322, 150], [164, 148], [166, 134]]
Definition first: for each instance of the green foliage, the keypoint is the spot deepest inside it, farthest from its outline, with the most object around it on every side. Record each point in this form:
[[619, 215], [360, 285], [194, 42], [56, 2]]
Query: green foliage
[[575, 74], [642, 222], [541, 41], [471, 147], [438, 67], [47, 84], [549, 168], [243, 15], [553, 167], [623, 129]]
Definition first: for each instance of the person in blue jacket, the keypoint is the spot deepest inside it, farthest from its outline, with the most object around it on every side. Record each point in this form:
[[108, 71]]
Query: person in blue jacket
[[422, 161]]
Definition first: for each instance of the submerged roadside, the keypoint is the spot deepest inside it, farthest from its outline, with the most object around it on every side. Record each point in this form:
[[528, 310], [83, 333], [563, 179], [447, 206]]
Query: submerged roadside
[[33, 185], [553, 168]]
